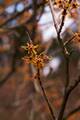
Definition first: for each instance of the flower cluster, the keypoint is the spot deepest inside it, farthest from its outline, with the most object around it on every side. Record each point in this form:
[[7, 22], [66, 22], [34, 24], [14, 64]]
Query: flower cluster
[[38, 60], [30, 48], [66, 4]]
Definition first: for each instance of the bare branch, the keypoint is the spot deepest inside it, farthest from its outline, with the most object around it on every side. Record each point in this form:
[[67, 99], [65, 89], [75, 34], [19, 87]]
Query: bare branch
[[63, 17], [72, 87], [71, 113], [66, 96], [64, 50], [19, 14], [51, 8], [45, 96], [68, 41]]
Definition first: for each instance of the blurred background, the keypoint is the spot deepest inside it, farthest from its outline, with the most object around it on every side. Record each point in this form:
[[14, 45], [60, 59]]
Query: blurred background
[[20, 94]]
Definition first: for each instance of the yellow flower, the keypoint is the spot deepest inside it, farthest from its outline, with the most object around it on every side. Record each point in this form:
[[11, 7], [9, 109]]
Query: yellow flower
[[38, 60], [30, 48]]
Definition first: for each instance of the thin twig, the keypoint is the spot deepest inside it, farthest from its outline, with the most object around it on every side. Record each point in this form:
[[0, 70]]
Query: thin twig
[[51, 8], [44, 94], [66, 96], [60, 29], [63, 106], [71, 113], [68, 41], [63, 17], [72, 87]]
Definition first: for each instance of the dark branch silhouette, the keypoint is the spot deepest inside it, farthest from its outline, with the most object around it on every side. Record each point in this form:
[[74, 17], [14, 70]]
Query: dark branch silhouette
[[74, 111], [20, 13]]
